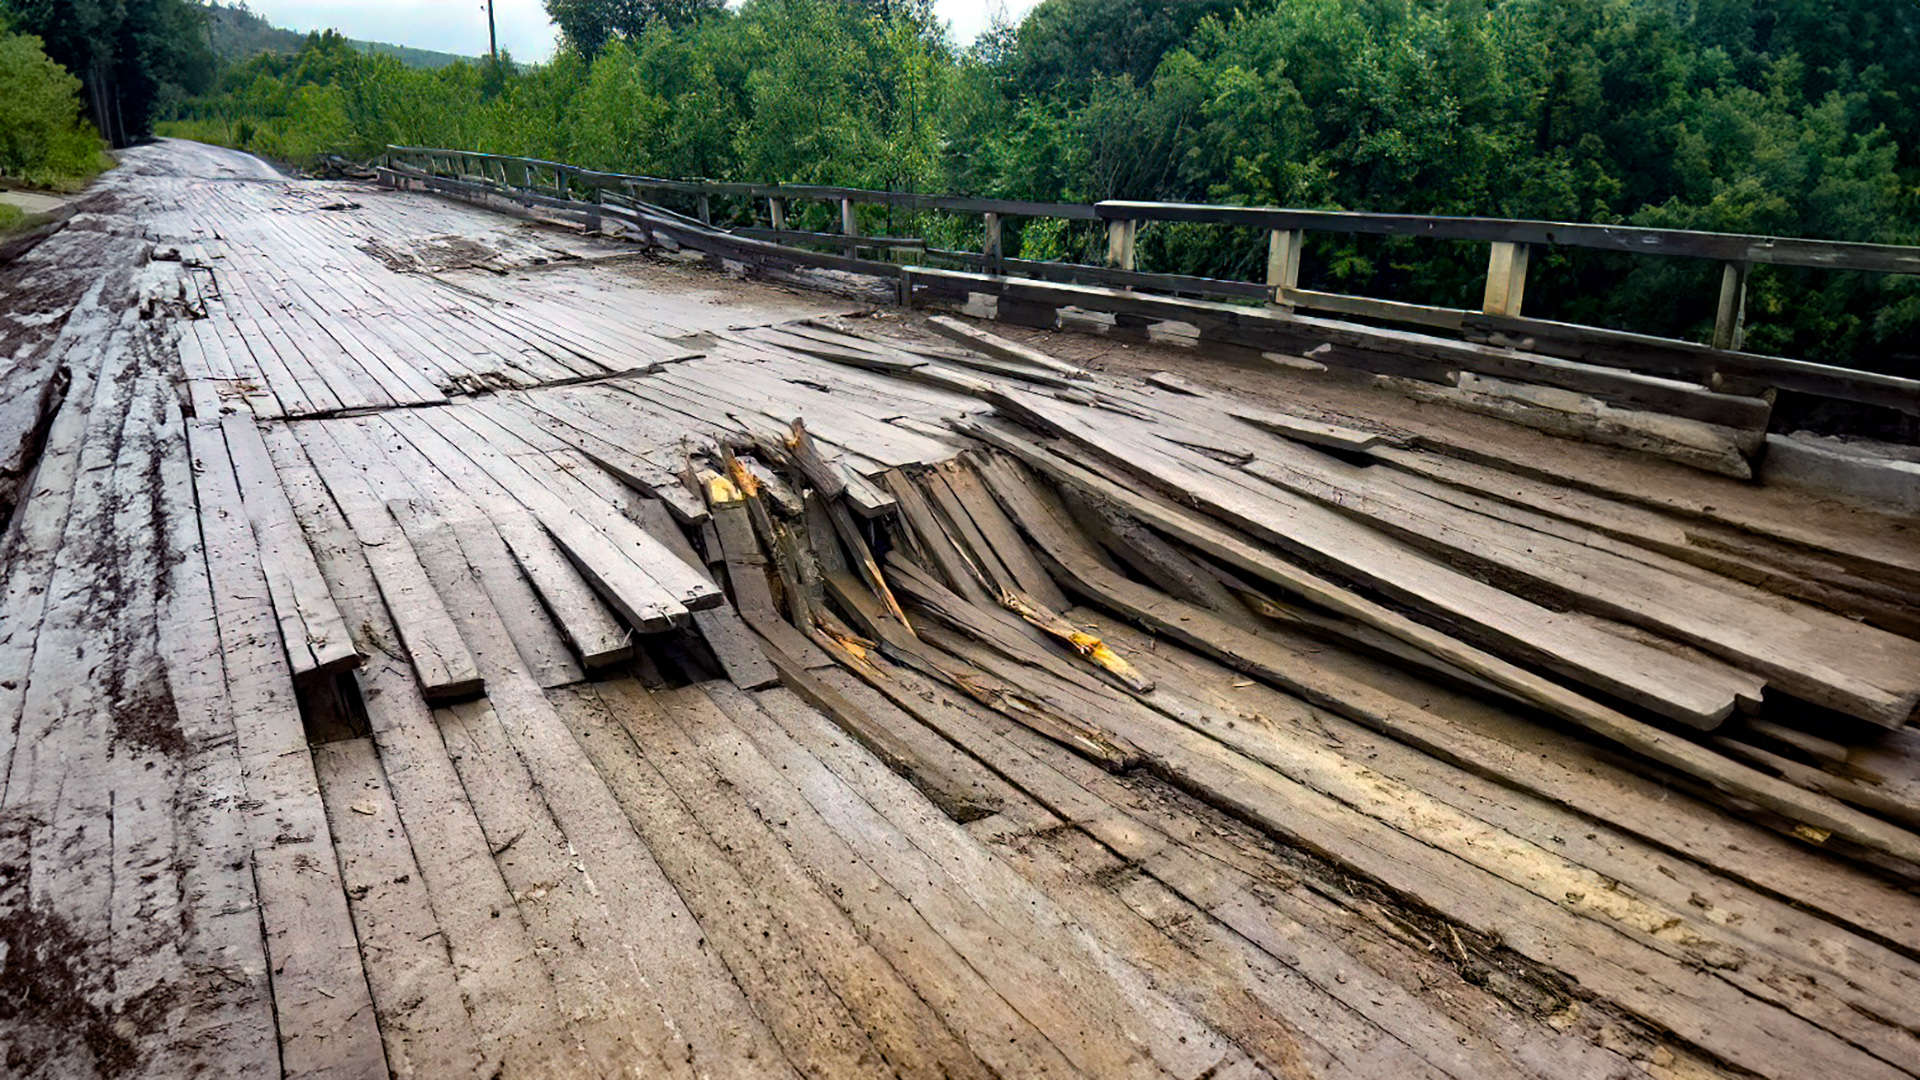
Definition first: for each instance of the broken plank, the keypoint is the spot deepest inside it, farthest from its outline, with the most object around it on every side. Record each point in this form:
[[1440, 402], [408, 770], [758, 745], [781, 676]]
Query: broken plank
[[1682, 755], [1306, 530], [999, 347]]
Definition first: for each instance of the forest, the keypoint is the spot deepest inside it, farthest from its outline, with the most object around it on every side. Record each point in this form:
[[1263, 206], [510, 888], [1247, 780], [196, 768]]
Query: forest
[[1782, 117]]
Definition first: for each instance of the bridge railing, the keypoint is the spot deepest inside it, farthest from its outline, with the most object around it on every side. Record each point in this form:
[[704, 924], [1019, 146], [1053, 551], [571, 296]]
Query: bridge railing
[[1510, 247]]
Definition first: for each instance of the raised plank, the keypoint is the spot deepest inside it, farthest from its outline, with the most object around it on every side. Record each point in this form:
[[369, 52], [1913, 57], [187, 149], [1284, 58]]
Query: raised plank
[[1646, 677], [1817, 655], [441, 661], [593, 632], [440, 658], [315, 634], [1682, 755]]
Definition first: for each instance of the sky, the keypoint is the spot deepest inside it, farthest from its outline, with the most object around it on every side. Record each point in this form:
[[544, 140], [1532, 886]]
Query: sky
[[460, 26]]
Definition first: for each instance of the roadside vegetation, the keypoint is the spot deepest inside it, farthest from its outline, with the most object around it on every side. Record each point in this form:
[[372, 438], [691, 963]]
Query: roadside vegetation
[[1784, 117], [134, 59], [45, 140]]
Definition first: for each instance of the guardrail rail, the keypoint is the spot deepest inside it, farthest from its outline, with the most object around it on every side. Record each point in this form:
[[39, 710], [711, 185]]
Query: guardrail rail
[[1719, 365]]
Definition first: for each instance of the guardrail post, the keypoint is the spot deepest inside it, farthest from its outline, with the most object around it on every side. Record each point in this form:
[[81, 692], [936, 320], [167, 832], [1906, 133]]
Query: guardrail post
[[777, 212], [1120, 237], [1506, 279], [1730, 321], [1283, 262], [706, 209], [849, 224], [991, 246]]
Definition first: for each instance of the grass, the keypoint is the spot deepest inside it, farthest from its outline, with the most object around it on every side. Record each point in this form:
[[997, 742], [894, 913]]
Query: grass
[[15, 221]]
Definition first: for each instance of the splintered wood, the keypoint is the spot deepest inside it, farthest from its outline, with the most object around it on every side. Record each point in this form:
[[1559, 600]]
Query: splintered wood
[[438, 644]]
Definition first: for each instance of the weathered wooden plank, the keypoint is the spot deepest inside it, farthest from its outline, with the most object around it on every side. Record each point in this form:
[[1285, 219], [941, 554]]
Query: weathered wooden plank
[[1780, 516], [721, 627], [1639, 976], [1768, 563], [872, 971], [440, 658], [1110, 988], [360, 481], [1649, 678], [1751, 942], [680, 1004], [1817, 655], [595, 635], [538, 638], [1342, 1011], [816, 1030], [1296, 948], [565, 418], [736, 647], [999, 534], [504, 983], [941, 972], [1002, 348], [1684, 756], [325, 1010], [227, 1013], [602, 542], [310, 624], [423, 1021]]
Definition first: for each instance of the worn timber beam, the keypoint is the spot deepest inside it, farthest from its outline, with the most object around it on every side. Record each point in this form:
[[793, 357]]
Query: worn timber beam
[[1729, 247], [1719, 364]]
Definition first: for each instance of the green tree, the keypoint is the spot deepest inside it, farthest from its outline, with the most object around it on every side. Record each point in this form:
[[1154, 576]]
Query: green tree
[[135, 58], [43, 137], [1790, 117], [588, 25]]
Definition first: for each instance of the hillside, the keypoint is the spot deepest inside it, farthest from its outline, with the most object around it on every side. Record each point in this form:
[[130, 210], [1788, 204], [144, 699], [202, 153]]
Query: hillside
[[237, 34]]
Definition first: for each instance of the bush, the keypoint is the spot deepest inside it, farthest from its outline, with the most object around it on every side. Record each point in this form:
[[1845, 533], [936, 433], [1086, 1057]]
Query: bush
[[43, 140]]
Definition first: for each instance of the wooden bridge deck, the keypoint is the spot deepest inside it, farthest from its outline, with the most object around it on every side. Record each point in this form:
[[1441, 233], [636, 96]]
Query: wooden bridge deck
[[378, 698]]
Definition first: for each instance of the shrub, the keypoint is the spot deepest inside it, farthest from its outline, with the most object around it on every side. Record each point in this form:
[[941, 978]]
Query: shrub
[[43, 139]]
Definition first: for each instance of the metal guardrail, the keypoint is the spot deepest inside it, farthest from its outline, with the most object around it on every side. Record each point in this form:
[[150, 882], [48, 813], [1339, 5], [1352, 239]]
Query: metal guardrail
[[1510, 247]]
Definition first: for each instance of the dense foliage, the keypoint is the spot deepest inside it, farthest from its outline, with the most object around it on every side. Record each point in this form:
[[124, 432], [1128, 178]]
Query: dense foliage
[[135, 59], [44, 140], [587, 25], [1788, 117]]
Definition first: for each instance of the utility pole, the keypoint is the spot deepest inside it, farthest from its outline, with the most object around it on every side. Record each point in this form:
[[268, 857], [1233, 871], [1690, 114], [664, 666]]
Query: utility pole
[[493, 43]]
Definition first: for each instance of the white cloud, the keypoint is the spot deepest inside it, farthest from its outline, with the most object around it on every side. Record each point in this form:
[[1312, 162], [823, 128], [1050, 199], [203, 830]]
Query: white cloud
[[455, 26], [460, 26], [970, 17]]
